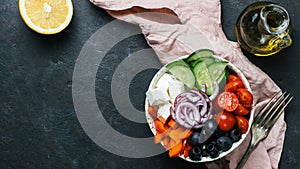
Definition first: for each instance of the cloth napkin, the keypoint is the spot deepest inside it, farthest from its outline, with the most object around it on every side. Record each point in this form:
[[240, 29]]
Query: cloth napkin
[[175, 28]]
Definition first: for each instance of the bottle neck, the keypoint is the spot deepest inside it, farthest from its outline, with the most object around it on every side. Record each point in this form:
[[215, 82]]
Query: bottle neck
[[273, 19]]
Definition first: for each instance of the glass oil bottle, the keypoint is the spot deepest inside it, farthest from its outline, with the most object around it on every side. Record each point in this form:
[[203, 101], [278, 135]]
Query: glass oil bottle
[[263, 29]]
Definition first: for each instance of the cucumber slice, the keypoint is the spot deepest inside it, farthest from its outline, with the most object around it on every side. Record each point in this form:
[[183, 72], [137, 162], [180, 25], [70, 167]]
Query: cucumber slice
[[177, 63], [194, 63], [202, 77], [184, 74], [224, 76], [216, 70], [208, 61], [199, 53]]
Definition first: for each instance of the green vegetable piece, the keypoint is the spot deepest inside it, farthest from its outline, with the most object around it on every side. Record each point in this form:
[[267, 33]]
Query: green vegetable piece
[[223, 78], [199, 54], [194, 63], [208, 61], [217, 69], [202, 77], [177, 63], [184, 74]]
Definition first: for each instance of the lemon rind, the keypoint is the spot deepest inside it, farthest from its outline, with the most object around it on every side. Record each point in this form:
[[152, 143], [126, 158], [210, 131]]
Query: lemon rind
[[40, 30]]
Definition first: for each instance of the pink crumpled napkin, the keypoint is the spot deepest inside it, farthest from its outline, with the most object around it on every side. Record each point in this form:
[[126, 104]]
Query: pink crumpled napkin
[[175, 28]]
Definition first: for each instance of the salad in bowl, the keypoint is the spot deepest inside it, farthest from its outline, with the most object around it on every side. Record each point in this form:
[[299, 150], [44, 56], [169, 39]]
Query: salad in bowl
[[199, 107]]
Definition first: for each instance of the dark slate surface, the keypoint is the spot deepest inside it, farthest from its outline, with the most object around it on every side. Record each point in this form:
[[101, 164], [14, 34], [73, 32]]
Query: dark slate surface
[[38, 123]]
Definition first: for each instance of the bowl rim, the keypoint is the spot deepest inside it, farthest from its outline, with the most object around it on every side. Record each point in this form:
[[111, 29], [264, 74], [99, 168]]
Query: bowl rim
[[231, 66]]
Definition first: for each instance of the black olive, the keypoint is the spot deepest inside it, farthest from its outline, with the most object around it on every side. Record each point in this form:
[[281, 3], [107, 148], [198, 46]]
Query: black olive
[[218, 133], [212, 150], [235, 134], [204, 151], [224, 142], [195, 153], [193, 140]]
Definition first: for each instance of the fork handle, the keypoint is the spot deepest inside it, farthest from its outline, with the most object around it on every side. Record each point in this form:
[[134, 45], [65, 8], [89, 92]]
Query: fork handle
[[245, 156]]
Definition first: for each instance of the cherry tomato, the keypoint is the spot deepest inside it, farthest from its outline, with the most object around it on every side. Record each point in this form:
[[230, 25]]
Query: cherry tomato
[[241, 110], [234, 85], [225, 120], [228, 101], [233, 78], [242, 123], [245, 97]]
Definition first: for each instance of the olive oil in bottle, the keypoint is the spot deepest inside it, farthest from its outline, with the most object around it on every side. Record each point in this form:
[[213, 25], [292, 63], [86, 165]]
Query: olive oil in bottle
[[263, 29]]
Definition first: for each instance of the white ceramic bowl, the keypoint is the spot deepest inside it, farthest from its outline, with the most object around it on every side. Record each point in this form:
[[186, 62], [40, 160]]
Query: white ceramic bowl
[[236, 144]]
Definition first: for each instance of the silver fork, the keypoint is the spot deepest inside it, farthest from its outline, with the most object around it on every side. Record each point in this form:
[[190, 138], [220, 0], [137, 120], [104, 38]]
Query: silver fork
[[264, 121]]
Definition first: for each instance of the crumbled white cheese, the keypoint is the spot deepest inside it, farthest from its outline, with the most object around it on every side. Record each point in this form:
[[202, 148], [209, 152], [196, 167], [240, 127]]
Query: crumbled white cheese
[[163, 112], [162, 82], [157, 96], [175, 88]]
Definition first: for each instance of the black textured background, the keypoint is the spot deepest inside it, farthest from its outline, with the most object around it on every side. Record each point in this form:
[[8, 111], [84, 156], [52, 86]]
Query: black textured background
[[38, 124]]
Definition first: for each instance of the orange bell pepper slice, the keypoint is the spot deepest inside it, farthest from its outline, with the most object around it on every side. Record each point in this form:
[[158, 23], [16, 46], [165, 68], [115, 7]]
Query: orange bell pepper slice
[[186, 150], [160, 127], [172, 123], [180, 133], [167, 142], [159, 137], [176, 150]]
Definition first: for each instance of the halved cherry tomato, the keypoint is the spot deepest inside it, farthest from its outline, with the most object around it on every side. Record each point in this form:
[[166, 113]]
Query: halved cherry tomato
[[245, 97], [233, 78], [242, 123], [234, 85], [225, 120], [241, 110], [228, 101]]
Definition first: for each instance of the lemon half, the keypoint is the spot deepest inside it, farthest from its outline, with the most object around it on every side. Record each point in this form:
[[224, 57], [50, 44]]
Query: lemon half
[[46, 16]]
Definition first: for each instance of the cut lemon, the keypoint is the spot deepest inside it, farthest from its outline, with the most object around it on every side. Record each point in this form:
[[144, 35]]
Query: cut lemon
[[46, 16]]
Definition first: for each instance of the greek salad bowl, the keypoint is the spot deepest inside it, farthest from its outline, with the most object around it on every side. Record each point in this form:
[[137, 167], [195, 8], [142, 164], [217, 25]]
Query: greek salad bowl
[[199, 107]]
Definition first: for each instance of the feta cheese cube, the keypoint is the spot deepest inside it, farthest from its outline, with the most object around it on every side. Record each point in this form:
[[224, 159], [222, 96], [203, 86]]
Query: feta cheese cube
[[175, 88], [157, 96], [163, 112], [162, 82]]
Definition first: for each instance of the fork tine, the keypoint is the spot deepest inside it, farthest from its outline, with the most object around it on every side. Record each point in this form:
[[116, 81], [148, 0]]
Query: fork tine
[[280, 112], [265, 108], [270, 113], [265, 121], [281, 100]]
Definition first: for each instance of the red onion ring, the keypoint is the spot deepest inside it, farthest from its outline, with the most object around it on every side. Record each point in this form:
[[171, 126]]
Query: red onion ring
[[192, 109]]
